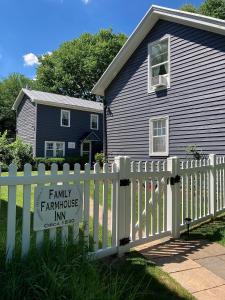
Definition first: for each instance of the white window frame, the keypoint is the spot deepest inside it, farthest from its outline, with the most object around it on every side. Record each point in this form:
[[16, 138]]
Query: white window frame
[[94, 115], [151, 120], [150, 88], [54, 147], [61, 124]]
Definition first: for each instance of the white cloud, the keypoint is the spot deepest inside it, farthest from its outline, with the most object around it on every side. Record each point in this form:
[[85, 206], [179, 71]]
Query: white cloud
[[86, 1], [30, 59]]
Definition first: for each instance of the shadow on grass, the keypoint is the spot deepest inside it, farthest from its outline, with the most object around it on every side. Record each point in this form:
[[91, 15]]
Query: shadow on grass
[[213, 231]]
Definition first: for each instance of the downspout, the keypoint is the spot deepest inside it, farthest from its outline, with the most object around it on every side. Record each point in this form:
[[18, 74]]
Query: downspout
[[105, 130]]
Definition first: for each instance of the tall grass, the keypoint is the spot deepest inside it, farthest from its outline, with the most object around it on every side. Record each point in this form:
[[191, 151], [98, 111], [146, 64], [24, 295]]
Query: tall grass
[[62, 272]]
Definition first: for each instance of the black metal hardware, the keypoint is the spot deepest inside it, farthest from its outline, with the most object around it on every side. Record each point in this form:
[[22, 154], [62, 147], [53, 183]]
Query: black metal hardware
[[124, 182], [173, 180], [124, 241]]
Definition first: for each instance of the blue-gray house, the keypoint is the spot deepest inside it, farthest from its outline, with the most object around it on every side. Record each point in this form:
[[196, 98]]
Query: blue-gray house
[[58, 126], [165, 89]]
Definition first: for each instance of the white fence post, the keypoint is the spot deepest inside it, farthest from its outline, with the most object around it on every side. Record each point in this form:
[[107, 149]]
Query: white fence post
[[173, 198], [123, 203], [212, 182]]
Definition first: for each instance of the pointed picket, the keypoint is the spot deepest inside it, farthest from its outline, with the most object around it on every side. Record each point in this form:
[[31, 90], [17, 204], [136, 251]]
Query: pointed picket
[[52, 231], [40, 234]]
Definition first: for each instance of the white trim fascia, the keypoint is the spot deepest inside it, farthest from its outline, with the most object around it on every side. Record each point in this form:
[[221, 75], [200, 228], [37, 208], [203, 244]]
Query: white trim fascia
[[61, 111], [144, 27], [151, 119], [91, 122], [67, 106], [54, 149]]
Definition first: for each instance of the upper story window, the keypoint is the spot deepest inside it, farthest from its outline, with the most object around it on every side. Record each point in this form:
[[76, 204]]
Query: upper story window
[[159, 64], [94, 122], [65, 118], [159, 136]]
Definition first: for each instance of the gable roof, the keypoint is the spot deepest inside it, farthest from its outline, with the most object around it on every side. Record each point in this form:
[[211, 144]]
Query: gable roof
[[154, 14], [59, 101]]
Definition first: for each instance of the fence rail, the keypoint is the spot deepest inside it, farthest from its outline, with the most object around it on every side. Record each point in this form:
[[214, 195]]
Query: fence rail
[[124, 205]]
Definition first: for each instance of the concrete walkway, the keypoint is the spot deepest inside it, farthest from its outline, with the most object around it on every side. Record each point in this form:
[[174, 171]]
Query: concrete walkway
[[199, 266]]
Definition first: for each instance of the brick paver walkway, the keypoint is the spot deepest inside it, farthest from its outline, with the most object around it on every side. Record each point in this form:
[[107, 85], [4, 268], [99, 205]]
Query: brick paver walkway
[[199, 266]]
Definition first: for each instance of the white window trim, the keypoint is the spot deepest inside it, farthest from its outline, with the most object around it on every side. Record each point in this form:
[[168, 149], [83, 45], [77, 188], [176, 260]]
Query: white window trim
[[151, 153], [61, 124], [92, 115], [54, 150], [150, 89], [82, 152]]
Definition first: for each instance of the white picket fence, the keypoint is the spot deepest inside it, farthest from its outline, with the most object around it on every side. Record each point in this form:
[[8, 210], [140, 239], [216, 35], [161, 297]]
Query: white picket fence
[[143, 201]]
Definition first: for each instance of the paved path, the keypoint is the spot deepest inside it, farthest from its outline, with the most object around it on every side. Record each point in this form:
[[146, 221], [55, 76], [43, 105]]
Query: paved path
[[199, 266]]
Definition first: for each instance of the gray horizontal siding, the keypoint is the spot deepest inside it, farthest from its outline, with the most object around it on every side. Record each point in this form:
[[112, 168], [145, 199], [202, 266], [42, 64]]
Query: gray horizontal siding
[[195, 102], [49, 129], [25, 122]]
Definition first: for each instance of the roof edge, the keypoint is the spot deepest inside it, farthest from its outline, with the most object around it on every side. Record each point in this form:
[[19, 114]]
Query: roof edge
[[144, 27]]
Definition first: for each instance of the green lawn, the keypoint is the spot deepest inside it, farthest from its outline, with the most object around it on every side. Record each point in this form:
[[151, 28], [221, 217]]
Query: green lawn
[[213, 231]]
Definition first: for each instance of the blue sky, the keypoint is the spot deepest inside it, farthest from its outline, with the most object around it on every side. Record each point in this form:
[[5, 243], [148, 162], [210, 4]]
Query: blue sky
[[34, 27]]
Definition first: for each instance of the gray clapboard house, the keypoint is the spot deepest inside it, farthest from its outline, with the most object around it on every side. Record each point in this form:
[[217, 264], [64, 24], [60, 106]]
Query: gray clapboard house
[[165, 89], [58, 126]]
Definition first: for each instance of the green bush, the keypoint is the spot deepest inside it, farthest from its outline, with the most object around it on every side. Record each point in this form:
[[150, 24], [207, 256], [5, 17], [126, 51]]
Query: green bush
[[100, 158], [48, 161], [16, 152], [21, 153], [71, 160]]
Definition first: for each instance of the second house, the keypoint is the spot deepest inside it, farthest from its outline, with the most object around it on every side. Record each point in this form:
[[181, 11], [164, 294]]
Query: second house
[[58, 126]]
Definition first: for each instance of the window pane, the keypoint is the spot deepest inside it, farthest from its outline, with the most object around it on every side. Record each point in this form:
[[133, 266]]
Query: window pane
[[86, 146], [94, 122], [49, 153], [160, 70], [159, 59], [49, 146], [59, 153], [65, 118], [159, 48], [159, 144], [59, 146]]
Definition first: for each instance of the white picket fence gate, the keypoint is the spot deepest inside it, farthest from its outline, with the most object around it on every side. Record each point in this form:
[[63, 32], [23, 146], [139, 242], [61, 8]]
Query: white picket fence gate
[[144, 201]]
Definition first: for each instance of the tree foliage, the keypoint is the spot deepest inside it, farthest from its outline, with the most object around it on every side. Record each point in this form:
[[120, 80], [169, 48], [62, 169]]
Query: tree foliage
[[75, 67], [212, 8], [9, 90]]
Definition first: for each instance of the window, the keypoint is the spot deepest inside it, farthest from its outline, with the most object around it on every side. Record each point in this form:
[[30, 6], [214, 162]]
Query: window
[[159, 61], [159, 136], [54, 149], [94, 122], [65, 118]]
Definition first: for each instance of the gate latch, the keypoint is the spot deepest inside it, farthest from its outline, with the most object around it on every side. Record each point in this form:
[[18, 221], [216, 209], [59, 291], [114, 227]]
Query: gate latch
[[124, 241], [124, 182], [174, 180]]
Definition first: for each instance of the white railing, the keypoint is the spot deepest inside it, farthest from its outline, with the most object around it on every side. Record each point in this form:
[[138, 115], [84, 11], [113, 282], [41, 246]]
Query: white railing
[[124, 205]]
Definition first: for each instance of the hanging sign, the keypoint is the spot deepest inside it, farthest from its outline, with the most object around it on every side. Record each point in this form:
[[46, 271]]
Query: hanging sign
[[56, 206]]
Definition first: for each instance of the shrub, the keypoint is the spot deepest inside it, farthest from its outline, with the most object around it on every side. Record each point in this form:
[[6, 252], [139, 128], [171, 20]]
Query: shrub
[[21, 153], [16, 152], [100, 158], [71, 160], [194, 151], [48, 161]]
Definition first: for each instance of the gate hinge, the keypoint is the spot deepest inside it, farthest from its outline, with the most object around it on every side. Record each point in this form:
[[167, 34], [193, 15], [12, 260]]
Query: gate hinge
[[173, 180], [124, 182], [124, 241]]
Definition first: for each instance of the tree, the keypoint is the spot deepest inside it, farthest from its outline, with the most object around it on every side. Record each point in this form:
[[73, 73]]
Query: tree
[[189, 8], [9, 90], [212, 8], [75, 67]]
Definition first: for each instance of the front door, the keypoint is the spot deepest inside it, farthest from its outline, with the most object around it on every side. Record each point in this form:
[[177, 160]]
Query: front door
[[86, 150]]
